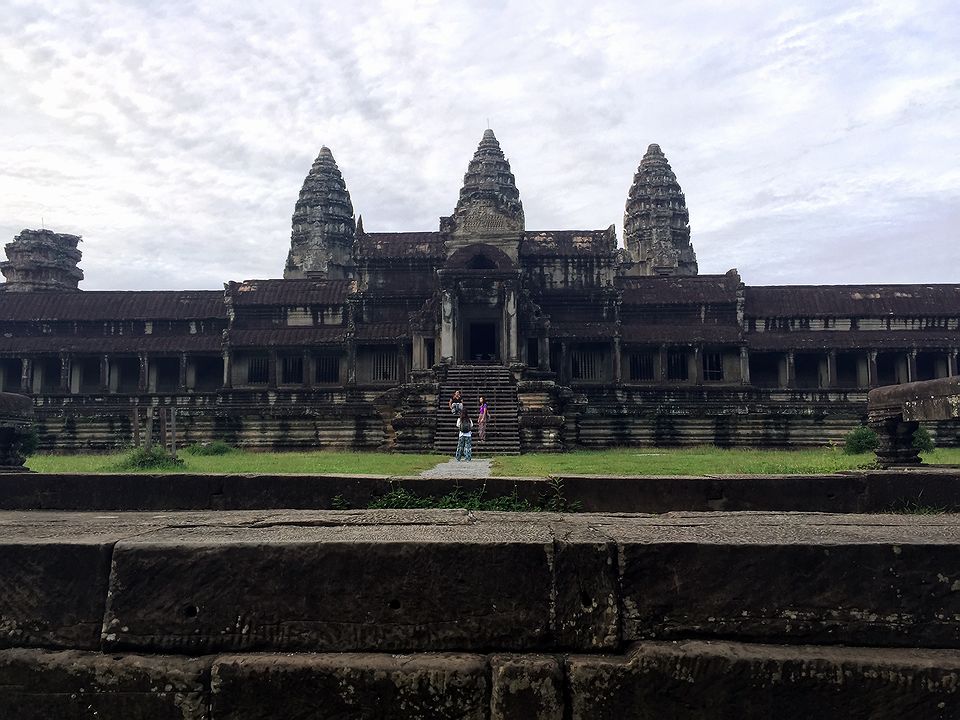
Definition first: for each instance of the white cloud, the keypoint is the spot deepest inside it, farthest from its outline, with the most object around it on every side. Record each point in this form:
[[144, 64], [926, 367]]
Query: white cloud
[[814, 143]]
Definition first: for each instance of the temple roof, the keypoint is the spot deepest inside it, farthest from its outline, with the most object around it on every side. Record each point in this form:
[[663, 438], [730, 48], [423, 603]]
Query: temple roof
[[112, 305], [852, 339], [173, 344], [852, 300], [568, 243], [289, 292], [673, 290], [400, 245]]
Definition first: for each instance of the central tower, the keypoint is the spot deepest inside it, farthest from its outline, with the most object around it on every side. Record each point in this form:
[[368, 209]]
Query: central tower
[[480, 280]]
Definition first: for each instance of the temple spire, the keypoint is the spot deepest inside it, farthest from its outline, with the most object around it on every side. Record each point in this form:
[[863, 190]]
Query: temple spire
[[656, 224], [489, 199], [321, 242]]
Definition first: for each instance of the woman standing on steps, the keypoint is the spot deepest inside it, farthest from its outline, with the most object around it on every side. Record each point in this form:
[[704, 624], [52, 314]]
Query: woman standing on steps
[[482, 418], [464, 442]]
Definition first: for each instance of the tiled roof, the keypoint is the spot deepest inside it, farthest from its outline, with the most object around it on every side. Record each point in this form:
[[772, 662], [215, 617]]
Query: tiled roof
[[682, 290], [383, 331], [112, 305], [584, 330], [544, 243], [852, 300], [288, 337], [400, 245], [112, 344], [853, 340], [659, 334], [290, 292]]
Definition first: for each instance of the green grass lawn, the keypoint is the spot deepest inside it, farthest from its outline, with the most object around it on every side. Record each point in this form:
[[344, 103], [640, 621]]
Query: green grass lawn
[[362, 463], [629, 461], [694, 461]]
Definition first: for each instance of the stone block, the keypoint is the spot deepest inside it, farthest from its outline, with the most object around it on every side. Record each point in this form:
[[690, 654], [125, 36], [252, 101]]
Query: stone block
[[42, 685], [52, 592], [696, 680], [386, 687], [526, 686], [293, 585], [863, 580]]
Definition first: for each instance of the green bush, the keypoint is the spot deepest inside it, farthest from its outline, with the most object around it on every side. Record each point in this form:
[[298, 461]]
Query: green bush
[[922, 440], [860, 440], [152, 458], [216, 447]]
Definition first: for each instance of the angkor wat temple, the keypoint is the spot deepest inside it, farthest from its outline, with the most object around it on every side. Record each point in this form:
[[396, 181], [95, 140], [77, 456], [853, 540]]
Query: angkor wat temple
[[575, 341]]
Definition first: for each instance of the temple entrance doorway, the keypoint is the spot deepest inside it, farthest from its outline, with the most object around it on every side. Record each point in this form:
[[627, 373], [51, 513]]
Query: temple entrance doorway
[[482, 346]]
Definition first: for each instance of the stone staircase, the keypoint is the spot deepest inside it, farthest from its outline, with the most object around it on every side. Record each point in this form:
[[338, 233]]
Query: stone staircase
[[497, 385]]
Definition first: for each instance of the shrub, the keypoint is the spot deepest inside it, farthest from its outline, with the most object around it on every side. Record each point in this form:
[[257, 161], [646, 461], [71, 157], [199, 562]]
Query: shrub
[[922, 440], [860, 440], [152, 458], [217, 447]]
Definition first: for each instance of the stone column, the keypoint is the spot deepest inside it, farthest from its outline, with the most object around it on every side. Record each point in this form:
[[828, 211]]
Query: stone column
[[105, 373], [402, 368], [65, 368], [448, 303], [872, 368], [911, 365], [351, 361], [182, 374], [952, 362], [791, 372], [227, 368], [510, 323], [144, 378], [744, 366], [617, 361], [26, 371], [272, 371], [418, 351], [832, 369], [698, 365], [661, 373], [308, 373], [564, 363], [544, 352]]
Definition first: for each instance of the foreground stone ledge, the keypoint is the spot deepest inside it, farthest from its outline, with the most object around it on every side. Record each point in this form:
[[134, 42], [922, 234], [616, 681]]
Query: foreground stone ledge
[[43, 685], [413, 687], [418, 581], [697, 680]]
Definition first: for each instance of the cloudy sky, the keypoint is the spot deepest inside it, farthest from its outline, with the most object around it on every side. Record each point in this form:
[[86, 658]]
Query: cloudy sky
[[816, 142]]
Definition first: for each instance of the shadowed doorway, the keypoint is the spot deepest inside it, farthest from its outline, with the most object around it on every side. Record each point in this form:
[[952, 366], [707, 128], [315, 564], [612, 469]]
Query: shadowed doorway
[[483, 342]]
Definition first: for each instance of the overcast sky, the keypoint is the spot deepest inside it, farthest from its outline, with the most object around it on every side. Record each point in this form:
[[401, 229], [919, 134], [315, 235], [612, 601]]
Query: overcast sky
[[815, 142]]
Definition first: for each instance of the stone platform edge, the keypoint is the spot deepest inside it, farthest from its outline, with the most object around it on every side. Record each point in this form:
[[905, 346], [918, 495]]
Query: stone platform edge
[[694, 680], [866, 491]]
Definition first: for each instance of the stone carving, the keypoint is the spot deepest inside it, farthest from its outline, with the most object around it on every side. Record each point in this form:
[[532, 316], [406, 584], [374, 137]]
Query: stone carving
[[42, 260], [321, 244], [16, 413], [489, 199], [656, 223]]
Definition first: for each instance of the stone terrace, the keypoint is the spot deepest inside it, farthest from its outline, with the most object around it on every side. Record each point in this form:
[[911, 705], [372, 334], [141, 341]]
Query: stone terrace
[[485, 615]]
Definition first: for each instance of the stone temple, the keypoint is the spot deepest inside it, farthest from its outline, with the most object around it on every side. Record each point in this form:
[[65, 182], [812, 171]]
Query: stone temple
[[574, 340]]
